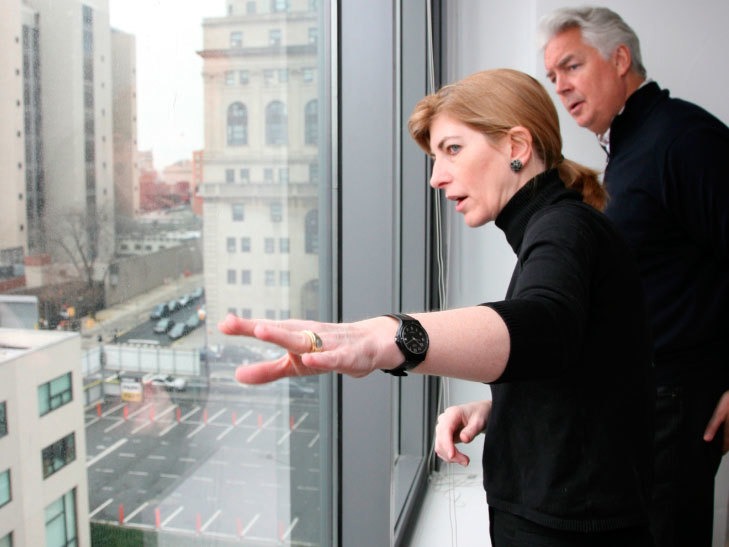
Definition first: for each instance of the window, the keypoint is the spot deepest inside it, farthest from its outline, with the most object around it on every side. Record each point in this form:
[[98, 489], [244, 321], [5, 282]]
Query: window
[[230, 244], [269, 76], [269, 245], [5, 493], [311, 232], [61, 521], [283, 175], [308, 74], [245, 277], [285, 314], [237, 209], [246, 313], [268, 175], [229, 175], [244, 77], [276, 211], [283, 245], [276, 123], [232, 311], [229, 77], [270, 314], [311, 123], [58, 455], [7, 541], [236, 39], [245, 245], [270, 279], [237, 125], [283, 75], [231, 277], [313, 35], [54, 394], [279, 5], [251, 7], [3, 419], [274, 37], [245, 175], [313, 173], [284, 278]]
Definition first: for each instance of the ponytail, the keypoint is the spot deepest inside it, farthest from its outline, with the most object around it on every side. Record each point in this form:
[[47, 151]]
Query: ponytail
[[585, 181]]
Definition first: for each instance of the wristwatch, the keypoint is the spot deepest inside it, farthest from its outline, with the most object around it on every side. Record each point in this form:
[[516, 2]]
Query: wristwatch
[[412, 339]]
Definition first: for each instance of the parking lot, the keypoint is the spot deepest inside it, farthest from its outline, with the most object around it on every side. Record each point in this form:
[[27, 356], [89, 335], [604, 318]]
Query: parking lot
[[223, 463]]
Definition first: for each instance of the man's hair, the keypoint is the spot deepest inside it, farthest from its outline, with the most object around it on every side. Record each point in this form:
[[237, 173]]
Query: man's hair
[[601, 28]]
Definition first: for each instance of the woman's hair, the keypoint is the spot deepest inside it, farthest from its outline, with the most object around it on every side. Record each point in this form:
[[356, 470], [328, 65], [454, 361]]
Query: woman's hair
[[492, 102], [601, 28]]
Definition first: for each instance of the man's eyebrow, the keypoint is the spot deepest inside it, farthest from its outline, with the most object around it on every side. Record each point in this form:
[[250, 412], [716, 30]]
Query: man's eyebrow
[[562, 63]]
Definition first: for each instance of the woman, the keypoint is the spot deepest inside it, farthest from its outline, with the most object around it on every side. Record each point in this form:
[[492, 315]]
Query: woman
[[568, 436]]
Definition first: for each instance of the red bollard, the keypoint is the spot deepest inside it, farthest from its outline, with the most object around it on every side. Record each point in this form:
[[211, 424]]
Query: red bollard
[[157, 518], [198, 523], [260, 421], [98, 409], [151, 414], [291, 422], [126, 412], [179, 413], [232, 418], [239, 527], [121, 513], [205, 415]]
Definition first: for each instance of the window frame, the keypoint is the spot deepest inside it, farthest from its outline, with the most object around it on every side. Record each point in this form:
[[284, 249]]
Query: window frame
[[55, 400]]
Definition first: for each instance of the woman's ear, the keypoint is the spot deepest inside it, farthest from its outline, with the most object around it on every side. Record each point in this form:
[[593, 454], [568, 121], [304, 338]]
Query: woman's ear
[[520, 142]]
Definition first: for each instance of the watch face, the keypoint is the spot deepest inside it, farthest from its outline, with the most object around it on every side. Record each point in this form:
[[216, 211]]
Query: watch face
[[414, 338]]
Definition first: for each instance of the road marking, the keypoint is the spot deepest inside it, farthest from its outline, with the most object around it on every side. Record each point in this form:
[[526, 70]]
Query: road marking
[[216, 415], [239, 420], [156, 457], [139, 473], [131, 515], [127, 455], [139, 428], [100, 507], [106, 452], [169, 476], [263, 426], [250, 524], [290, 529], [210, 520], [296, 425], [173, 515], [188, 460], [168, 429], [224, 433], [195, 431], [193, 411], [314, 440]]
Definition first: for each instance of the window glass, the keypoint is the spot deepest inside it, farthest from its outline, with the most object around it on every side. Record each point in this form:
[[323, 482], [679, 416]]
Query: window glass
[[54, 394], [61, 521], [5, 496], [58, 455], [7, 541], [3, 419]]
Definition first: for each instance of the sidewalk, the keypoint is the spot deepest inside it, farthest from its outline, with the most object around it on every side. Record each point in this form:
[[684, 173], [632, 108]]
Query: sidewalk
[[122, 317]]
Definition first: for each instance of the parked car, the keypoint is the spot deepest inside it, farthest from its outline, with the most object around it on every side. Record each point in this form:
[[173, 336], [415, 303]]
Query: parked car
[[198, 293], [164, 325], [178, 331], [166, 381], [185, 300], [160, 311], [192, 322], [174, 305]]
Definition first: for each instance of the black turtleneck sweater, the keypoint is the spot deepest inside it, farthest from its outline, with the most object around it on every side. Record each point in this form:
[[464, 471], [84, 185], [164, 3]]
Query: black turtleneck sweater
[[669, 198], [568, 441]]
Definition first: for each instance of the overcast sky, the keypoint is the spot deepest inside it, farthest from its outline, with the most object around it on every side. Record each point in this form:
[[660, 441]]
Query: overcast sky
[[169, 81]]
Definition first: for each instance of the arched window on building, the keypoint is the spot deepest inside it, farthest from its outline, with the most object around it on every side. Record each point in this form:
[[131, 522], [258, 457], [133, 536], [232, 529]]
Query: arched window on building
[[276, 123], [311, 123], [237, 125]]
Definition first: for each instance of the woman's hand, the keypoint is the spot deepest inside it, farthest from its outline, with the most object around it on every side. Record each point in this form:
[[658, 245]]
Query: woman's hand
[[460, 424], [355, 349]]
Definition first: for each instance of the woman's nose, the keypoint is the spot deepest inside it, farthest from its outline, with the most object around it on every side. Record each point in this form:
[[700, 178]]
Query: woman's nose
[[438, 177]]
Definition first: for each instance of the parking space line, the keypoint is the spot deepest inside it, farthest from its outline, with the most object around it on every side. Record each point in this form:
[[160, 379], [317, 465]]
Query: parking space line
[[239, 420], [100, 507], [293, 427], [263, 426], [210, 420], [314, 440], [173, 515], [290, 529], [193, 411], [140, 427], [131, 515], [167, 429], [250, 524], [210, 520], [106, 452], [224, 433], [195, 431]]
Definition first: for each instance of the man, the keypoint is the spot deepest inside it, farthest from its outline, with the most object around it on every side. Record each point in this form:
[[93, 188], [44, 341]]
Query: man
[[669, 195]]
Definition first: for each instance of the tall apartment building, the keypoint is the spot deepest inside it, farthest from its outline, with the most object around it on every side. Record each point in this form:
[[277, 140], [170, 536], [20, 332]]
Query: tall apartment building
[[43, 484], [57, 155], [260, 166], [124, 106]]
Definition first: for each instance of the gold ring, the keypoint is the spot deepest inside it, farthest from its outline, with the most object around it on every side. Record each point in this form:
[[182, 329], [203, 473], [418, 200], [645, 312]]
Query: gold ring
[[316, 343]]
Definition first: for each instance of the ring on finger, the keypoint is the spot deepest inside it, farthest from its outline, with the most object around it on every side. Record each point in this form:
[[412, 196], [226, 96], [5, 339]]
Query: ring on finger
[[316, 343]]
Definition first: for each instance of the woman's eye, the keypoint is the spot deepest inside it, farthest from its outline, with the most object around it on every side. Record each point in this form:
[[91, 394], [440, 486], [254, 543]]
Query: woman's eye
[[453, 148]]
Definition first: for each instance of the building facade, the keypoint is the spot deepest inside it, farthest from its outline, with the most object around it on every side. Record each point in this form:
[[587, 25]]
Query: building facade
[[260, 163], [43, 484]]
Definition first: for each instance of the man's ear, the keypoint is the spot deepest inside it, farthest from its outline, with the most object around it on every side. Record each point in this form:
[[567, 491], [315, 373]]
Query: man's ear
[[622, 59], [520, 142]]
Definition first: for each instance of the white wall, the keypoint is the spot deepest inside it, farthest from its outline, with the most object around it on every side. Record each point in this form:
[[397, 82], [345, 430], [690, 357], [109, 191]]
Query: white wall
[[683, 45]]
